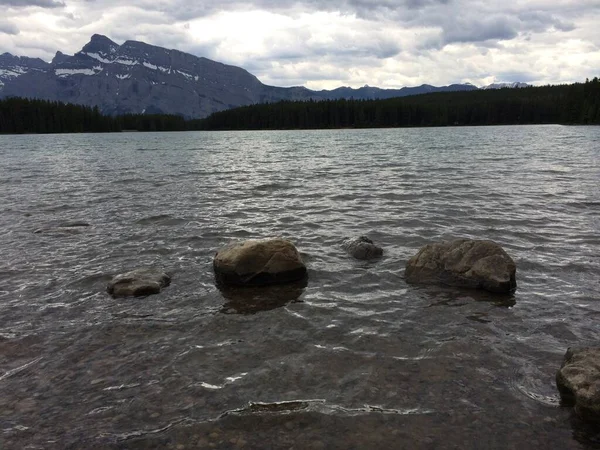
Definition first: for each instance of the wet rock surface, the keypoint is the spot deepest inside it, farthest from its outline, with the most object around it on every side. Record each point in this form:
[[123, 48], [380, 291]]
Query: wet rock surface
[[578, 381], [362, 247], [138, 283], [475, 264], [258, 263]]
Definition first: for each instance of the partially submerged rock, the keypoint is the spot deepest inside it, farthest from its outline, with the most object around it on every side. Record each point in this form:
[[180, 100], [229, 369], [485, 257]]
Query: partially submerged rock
[[64, 228], [258, 262], [362, 248], [578, 381], [138, 283], [475, 264]]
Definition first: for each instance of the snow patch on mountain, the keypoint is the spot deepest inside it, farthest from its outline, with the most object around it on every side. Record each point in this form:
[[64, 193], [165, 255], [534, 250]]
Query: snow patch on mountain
[[12, 72], [187, 75], [98, 57], [68, 72], [126, 61]]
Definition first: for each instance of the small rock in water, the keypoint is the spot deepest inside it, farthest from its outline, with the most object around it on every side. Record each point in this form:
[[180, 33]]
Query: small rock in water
[[468, 263], [578, 381], [362, 248], [258, 263], [138, 283]]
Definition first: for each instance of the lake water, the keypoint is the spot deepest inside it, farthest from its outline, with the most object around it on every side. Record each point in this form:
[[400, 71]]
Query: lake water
[[357, 358]]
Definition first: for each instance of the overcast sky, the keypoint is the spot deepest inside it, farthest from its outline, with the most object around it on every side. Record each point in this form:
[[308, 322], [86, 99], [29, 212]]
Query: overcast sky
[[326, 44]]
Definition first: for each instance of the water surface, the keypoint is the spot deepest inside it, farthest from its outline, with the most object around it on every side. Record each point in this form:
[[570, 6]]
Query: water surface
[[355, 359]]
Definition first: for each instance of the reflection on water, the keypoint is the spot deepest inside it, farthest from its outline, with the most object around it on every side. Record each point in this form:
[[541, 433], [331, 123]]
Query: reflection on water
[[353, 359], [251, 300]]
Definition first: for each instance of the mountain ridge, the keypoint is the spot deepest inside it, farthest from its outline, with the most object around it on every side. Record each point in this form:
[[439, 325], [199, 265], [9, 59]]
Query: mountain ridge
[[136, 77]]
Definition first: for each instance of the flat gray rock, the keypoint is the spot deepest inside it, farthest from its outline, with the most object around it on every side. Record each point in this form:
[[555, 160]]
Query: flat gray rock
[[362, 247], [138, 283], [475, 264], [578, 381]]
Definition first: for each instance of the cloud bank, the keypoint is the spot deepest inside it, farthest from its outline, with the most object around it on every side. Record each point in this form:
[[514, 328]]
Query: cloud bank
[[325, 44]]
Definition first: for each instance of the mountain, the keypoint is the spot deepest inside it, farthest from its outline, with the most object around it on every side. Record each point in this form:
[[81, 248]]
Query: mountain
[[136, 77], [506, 85], [12, 67]]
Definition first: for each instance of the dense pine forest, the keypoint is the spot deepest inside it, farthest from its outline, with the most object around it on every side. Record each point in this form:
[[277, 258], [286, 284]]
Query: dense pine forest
[[568, 104], [577, 103], [21, 115]]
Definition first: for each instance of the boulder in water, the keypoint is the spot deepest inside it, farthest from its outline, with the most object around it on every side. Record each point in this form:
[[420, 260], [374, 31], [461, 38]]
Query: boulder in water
[[362, 248], [578, 381], [258, 262], [476, 264], [138, 283]]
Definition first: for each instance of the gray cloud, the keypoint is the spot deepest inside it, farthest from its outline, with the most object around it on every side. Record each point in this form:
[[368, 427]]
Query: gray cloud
[[185, 10], [481, 29], [40, 3], [318, 43], [540, 21], [8, 27], [458, 21]]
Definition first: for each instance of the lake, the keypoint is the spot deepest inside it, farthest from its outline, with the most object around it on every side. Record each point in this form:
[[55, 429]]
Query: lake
[[357, 358]]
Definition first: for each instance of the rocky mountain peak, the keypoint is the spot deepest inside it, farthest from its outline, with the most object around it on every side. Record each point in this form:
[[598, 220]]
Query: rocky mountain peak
[[60, 57], [7, 59], [100, 45], [99, 39]]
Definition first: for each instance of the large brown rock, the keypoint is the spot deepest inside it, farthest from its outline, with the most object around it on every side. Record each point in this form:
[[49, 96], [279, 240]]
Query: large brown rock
[[138, 283], [578, 381], [258, 262], [475, 264]]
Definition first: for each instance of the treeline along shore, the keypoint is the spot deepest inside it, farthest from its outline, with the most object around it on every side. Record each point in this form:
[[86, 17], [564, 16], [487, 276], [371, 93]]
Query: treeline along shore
[[574, 104]]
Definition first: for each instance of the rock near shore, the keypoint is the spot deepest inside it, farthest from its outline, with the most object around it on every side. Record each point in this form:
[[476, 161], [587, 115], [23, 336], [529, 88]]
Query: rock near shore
[[258, 262], [475, 264], [138, 283], [578, 381]]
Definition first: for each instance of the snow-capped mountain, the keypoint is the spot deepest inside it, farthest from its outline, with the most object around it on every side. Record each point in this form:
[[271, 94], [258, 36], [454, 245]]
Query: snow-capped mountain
[[506, 85], [136, 77]]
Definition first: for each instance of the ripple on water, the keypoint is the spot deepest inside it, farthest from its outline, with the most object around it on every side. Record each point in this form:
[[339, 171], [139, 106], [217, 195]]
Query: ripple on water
[[355, 358]]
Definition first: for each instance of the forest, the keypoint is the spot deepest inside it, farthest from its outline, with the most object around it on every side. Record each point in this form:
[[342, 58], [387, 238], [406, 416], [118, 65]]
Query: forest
[[21, 115], [577, 103]]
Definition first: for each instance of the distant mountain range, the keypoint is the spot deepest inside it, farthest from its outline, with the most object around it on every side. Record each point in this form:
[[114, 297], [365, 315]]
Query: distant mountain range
[[140, 78]]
